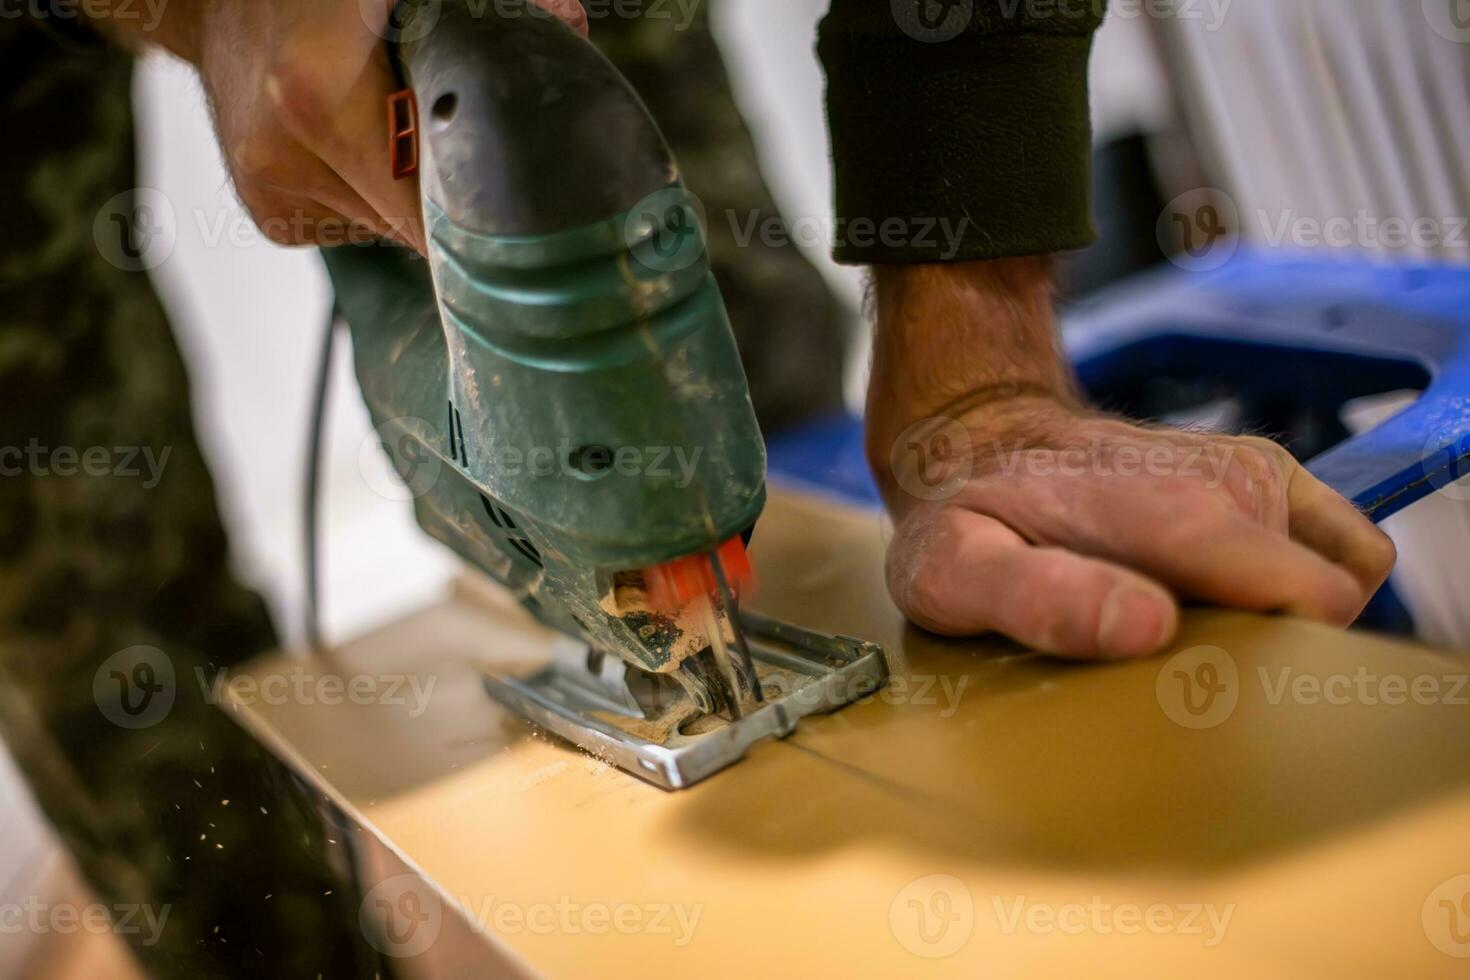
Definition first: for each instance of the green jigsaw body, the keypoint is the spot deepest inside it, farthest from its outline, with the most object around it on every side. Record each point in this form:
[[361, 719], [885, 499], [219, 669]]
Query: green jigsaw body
[[577, 397]]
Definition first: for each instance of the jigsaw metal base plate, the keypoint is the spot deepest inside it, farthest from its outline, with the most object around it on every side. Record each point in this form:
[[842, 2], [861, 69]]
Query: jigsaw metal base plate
[[801, 673]]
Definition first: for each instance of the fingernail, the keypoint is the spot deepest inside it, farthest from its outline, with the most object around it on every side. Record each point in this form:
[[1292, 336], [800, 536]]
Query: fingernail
[[1134, 622]]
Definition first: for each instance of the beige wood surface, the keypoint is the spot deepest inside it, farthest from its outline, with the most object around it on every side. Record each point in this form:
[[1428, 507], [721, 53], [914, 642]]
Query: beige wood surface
[[993, 814]]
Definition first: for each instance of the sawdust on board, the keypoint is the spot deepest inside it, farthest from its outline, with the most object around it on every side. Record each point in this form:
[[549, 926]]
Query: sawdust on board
[[686, 718], [658, 731], [681, 636], [536, 777]]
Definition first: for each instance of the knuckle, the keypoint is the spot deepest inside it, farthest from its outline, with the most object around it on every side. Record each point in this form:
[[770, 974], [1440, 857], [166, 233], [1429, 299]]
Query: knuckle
[[1341, 597], [273, 221], [1255, 463], [1047, 581], [1189, 515], [295, 92], [1267, 448], [256, 161], [1050, 609], [1382, 553], [1041, 509], [278, 231], [1260, 468], [1253, 477], [922, 569], [925, 600], [260, 152], [908, 566]]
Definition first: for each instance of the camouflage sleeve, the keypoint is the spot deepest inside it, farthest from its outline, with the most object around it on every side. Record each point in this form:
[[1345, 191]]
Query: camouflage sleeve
[[116, 601], [117, 607]]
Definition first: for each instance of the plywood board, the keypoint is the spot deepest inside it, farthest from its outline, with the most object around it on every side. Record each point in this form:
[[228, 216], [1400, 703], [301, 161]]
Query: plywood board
[[992, 814]]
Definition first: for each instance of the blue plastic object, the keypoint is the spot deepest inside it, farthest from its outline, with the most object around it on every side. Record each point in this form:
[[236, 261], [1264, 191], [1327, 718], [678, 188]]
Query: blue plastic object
[[1289, 335], [825, 456], [1313, 333]]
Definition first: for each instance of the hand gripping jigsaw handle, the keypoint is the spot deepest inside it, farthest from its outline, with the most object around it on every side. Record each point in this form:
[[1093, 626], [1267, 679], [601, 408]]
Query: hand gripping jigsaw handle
[[527, 129], [569, 367], [580, 313]]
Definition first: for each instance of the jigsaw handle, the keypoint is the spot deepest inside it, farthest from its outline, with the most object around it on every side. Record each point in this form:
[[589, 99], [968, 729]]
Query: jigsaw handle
[[568, 367], [527, 129]]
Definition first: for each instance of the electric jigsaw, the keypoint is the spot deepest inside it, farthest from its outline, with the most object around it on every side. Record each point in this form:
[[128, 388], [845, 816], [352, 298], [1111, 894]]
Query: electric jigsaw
[[560, 387]]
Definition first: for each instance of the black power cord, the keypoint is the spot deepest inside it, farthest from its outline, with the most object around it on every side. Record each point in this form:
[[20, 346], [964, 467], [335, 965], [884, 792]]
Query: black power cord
[[311, 531]]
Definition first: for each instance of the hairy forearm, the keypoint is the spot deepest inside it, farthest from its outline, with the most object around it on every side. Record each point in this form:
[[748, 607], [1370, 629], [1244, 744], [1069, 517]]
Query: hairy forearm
[[169, 24], [954, 337]]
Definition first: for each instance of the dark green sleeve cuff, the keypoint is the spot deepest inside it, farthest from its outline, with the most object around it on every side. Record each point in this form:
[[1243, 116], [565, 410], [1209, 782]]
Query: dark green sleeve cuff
[[974, 147]]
